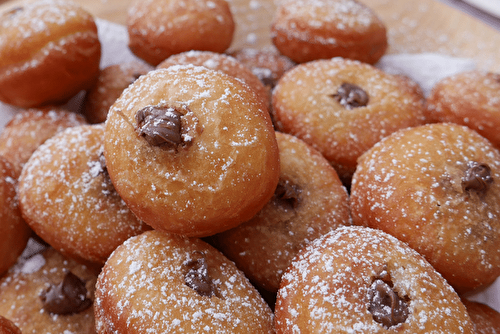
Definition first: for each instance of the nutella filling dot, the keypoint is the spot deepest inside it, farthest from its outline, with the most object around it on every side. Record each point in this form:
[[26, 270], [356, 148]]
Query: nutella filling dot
[[68, 297], [197, 277], [351, 96], [160, 126], [477, 178], [287, 194], [385, 305]]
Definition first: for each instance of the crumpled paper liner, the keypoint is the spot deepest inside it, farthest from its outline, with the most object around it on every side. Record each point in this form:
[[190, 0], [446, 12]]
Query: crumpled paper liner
[[426, 69]]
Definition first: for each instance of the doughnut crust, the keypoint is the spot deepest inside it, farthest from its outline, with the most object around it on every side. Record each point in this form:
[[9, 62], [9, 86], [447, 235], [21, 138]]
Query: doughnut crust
[[110, 84], [165, 283], [49, 51], [14, 231], [67, 197], [343, 107], [219, 62], [471, 99], [30, 128], [24, 297], [360, 280], [306, 30], [485, 319], [160, 28], [309, 201], [437, 188], [214, 165], [8, 327]]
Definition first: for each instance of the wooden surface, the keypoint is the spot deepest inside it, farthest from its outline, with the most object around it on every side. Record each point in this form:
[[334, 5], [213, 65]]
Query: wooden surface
[[413, 26]]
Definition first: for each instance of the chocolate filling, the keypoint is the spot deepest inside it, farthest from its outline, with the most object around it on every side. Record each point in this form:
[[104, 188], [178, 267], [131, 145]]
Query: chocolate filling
[[477, 178], [385, 305], [197, 278], [160, 126], [68, 297], [351, 96], [287, 194]]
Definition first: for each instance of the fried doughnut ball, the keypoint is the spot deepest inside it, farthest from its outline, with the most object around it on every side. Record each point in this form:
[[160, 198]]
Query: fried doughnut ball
[[361, 280], [67, 197], [343, 107], [191, 150], [471, 99], [437, 188], [158, 29], [49, 293], [309, 201], [8, 327], [305, 30], [29, 128], [485, 319], [112, 81], [220, 62], [14, 231], [267, 64], [166, 283], [49, 51]]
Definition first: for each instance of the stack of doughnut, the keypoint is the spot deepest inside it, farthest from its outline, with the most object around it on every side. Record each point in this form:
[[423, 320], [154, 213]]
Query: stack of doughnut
[[205, 189]]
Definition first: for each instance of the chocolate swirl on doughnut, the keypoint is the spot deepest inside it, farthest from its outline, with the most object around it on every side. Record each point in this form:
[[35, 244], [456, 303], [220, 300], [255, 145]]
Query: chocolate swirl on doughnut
[[385, 305], [287, 194], [477, 178], [68, 297], [351, 96], [160, 126], [197, 278]]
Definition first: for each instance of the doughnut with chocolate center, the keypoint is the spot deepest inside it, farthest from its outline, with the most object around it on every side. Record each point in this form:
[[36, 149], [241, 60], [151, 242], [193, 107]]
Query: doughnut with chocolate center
[[191, 150], [437, 188]]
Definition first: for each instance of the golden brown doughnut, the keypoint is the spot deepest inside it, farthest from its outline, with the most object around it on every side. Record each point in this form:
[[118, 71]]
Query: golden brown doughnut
[[14, 231], [309, 201], [219, 62], [306, 30], [49, 293], [342, 107], [165, 283], [29, 128], [191, 150], [361, 280], [111, 82], [471, 99], [437, 188], [67, 197], [49, 51], [485, 319], [158, 29]]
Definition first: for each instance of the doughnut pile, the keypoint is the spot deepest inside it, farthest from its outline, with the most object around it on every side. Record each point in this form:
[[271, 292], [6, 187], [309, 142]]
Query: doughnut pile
[[205, 189]]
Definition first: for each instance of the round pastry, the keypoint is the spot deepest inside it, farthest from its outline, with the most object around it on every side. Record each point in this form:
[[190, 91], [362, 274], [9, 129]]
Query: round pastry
[[471, 99], [342, 107], [67, 197], [111, 83], [485, 319], [14, 231], [158, 29], [437, 188], [29, 128], [361, 280], [219, 62], [191, 150], [49, 293], [49, 51], [321, 29], [8, 327], [309, 201], [165, 283], [267, 64]]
